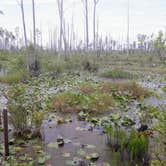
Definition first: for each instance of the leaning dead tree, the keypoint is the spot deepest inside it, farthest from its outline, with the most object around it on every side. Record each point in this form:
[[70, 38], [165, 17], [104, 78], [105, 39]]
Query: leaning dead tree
[[85, 3], [60, 10]]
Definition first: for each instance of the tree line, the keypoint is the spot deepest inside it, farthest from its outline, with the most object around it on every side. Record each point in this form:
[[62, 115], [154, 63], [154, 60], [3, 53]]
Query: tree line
[[64, 42]]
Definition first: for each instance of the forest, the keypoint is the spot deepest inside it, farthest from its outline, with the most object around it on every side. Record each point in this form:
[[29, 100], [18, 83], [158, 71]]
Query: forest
[[88, 100]]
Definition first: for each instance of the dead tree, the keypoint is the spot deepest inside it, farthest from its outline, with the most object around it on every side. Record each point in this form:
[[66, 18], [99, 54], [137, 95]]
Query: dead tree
[[128, 27], [60, 9], [94, 23], [95, 2], [65, 39], [35, 64], [85, 2], [21, 3]]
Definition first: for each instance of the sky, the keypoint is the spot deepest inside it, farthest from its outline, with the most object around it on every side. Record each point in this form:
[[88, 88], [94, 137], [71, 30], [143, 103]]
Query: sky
[[146, 17]]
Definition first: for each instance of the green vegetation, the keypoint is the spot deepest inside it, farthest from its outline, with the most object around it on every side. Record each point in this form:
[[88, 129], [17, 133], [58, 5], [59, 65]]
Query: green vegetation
[[14, 77], [97, 97], [164, 88], [75, 86], [135, 143], [161, 135], [75, 102], [118, 74], [26, 107], [138, 144]]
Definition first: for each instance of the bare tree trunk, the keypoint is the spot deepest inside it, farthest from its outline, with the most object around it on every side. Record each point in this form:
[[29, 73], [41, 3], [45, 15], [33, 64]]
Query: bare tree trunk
[[60, 8], [36, 62], [128, 28], [87, 25], [85, 2], [25, 34], [65, 40], [34, 24], [94, 24]]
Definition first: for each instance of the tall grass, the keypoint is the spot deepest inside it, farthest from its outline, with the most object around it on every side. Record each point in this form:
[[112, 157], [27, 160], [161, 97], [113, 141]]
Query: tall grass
[[14, 77], [118, 74]]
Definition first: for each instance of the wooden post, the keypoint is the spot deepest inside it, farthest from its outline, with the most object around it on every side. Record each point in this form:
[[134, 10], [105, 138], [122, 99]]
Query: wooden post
[[5, 123]]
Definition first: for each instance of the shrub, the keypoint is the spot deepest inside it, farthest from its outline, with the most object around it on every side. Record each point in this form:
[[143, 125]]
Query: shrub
[[26, 108], [19, 114]]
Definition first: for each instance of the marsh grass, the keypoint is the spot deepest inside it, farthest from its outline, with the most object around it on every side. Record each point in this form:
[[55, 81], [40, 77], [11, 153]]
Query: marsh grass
[[14, 77], [118, 74], [133, 145], [97, 96], [70, 101], [133, 88], [138, 144]]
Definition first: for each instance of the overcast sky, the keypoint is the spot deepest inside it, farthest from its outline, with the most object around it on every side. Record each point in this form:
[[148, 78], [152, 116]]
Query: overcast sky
[[146, 16]]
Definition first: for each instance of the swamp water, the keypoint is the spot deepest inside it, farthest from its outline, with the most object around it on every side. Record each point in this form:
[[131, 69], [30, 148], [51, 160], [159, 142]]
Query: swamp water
[[81, 140]]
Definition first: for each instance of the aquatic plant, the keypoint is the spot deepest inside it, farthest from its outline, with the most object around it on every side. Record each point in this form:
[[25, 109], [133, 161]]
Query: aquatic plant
[[134, 89], [135, 144], [138, 144], [71, 101]]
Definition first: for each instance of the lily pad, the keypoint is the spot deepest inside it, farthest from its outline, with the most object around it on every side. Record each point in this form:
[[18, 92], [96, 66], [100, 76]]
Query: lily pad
[[81, 152], [66, 141], [90, 146], [43, 158], [81, 129], [66, 155], [93, 157], [53, 145], [106, 164], [75, 162], [82, 116]]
